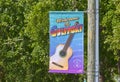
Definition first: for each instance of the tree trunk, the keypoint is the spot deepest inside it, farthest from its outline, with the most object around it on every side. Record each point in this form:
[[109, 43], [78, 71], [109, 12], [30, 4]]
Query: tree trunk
[[119, 63], [101, 78]]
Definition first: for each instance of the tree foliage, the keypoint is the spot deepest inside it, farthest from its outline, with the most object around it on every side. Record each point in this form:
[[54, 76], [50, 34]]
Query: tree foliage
[[109, 35]]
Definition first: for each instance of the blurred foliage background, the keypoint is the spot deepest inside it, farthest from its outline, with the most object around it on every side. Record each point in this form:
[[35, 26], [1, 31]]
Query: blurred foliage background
[[24, 40]]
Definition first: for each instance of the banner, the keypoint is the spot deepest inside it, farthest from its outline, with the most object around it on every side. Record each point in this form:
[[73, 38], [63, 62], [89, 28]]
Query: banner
[[66, 42]]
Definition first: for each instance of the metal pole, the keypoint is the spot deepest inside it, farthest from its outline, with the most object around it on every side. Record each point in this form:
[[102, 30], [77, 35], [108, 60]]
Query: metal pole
[[97, 43], [91, 41]]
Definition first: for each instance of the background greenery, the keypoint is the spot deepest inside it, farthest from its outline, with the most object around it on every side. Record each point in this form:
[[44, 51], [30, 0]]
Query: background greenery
[[24, 40]]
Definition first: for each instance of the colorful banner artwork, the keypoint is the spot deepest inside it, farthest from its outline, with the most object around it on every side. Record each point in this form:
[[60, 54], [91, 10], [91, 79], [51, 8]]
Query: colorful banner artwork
[[66, 42]]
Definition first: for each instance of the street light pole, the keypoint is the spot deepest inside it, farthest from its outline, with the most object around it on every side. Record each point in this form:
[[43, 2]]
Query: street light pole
[[91, 41], [97, 43]]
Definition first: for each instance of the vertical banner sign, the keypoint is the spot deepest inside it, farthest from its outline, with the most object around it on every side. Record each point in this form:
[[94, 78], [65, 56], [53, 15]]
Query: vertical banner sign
[[66, 42]]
